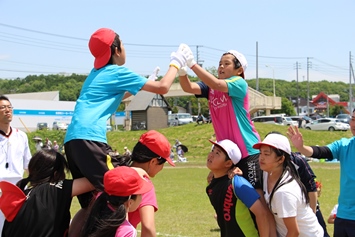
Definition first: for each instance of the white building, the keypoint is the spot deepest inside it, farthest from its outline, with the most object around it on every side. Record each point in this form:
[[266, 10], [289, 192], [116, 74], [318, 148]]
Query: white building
[[44, 107]]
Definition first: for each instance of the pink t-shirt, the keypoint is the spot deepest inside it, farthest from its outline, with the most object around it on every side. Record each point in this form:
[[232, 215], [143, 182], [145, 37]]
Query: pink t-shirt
[[148, 199], [126, 230]]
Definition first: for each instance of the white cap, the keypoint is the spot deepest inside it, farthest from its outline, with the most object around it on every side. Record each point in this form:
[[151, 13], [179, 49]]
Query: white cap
[[277, 141], [125, 148], [241, 58], [230, 148]]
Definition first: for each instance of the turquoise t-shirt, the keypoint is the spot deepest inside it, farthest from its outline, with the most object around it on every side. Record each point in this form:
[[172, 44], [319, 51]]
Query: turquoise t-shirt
[[344, 150], [100, 96]]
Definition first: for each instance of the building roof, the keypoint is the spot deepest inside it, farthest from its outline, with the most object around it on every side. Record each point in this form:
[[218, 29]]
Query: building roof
[[142, 100], [47, 95]]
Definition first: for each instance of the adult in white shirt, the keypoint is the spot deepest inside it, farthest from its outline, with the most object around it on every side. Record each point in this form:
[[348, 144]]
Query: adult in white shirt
[[14, 150], [284, 193]]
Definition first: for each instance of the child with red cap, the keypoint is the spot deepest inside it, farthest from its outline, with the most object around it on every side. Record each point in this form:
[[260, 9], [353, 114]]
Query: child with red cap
[[150, 153], [108, 83], [123, 191]]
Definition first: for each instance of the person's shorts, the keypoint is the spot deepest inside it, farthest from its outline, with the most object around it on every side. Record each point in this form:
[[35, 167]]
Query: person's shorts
[[251, 170], [91, 160]]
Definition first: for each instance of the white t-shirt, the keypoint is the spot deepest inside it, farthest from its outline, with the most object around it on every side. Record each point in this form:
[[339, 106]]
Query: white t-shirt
[[288, 201], [14, 158]]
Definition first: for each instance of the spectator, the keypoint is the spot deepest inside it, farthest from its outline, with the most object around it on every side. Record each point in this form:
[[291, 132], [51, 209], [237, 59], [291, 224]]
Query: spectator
[[55, 145], [38, 143], [40, 205], [47, 144], [176, 145], [14, 149], [333, 214], [300, 121], [181, 154], [199, 119], [123, 191], [126, 152]]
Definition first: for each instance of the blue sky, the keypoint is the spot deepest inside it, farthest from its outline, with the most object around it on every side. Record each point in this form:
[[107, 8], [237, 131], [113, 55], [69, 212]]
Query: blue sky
[[48, 37]]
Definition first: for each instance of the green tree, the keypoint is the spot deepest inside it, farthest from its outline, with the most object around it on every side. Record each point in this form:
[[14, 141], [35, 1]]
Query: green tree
[[286, 108]]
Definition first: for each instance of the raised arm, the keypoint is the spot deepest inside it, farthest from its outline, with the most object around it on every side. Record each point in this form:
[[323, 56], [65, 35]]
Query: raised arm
[[186, 84], [177, 61], [209, 79], [297, 141]]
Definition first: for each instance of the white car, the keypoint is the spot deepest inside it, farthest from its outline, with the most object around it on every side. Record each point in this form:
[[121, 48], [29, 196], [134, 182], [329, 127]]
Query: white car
[[329, 124], [288, 121], [59, 125]]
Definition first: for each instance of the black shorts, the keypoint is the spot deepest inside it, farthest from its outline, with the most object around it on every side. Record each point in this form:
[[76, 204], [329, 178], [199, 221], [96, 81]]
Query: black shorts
[[91, 160], [251, 170]]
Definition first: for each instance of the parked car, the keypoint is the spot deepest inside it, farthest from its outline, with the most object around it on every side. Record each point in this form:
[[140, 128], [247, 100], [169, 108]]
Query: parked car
[[58, 125], [42, 126], [179, 119], [345, 118], [330, 124], [273, 119], [305, 119], [108, 128], [288, 121]]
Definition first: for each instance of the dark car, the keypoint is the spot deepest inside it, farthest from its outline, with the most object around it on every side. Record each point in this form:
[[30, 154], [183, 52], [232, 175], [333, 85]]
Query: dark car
[[42, 126], [345, 118]]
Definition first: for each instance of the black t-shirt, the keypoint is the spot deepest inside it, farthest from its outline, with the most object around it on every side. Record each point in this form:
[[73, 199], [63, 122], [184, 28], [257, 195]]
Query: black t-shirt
[[222, 198], [46, 212]]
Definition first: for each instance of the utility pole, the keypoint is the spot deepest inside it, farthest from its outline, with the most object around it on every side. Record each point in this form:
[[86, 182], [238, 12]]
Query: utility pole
[[298, 89], [309, 64], [350, 86], [199, 62], [257, 67]]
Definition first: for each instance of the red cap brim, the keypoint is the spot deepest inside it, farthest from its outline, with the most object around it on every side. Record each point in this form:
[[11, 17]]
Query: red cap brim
[[11, 200]]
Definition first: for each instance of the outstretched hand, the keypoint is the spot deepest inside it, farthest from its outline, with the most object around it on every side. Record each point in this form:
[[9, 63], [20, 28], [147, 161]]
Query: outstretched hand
[[295, 136], [177, 59], [188, 55], [154, 75]]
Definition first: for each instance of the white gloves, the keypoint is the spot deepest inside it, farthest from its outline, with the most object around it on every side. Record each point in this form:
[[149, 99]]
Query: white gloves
[[154, 75], [188, 55], [182, 71], [177, 58]]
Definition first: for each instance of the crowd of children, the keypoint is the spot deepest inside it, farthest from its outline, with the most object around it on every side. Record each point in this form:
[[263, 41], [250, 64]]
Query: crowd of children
[[272, 197]]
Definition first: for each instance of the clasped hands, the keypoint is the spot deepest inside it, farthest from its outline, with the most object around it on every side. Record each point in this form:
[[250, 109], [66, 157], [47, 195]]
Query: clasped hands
[[182, 58]]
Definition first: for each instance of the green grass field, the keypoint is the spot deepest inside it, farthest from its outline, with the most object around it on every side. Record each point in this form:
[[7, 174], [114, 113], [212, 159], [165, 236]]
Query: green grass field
[[184, 208]]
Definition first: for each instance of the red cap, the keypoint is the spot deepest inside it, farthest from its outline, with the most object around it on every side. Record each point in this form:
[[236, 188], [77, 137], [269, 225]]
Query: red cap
[[100, 46], [157, 143], [124, 181], [11, 200]]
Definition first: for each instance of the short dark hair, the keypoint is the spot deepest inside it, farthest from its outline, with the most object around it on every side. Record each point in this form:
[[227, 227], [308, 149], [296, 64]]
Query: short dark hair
[[237, 64], [2, 97], [115, 44]]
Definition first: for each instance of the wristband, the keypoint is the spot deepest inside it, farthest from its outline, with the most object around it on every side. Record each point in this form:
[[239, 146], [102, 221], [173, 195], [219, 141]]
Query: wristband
[[335, 215], [193, 66], [173, 65]]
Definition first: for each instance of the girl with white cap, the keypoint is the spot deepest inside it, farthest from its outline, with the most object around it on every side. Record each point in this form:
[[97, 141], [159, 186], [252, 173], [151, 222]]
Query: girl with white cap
[[284, 193]]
